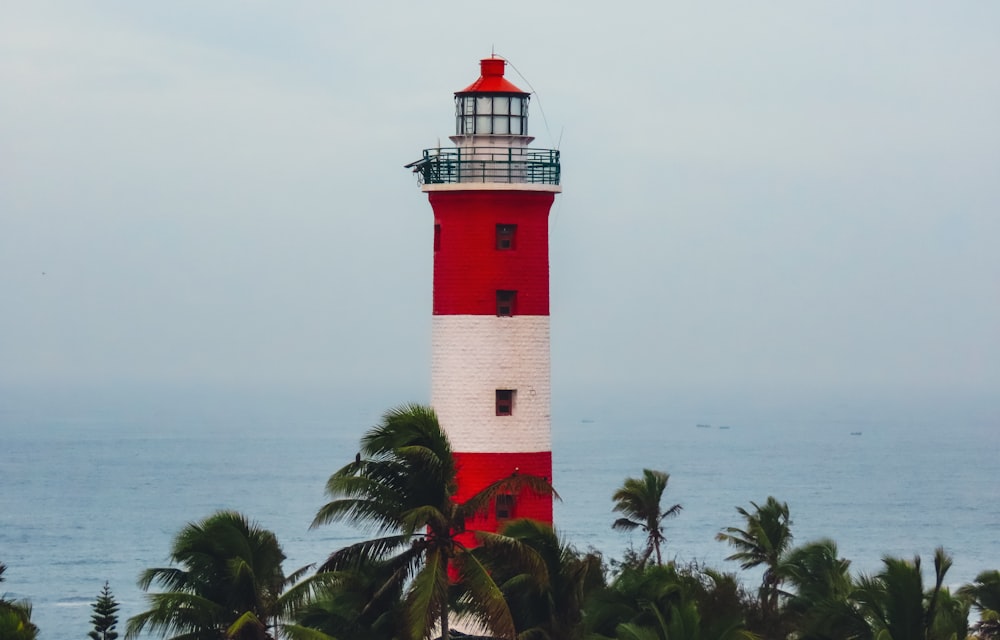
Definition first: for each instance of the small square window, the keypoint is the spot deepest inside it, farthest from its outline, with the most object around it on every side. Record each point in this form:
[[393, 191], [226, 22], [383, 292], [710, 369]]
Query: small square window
[[506, 302], [505, 236], [505, 506], [505, 402]]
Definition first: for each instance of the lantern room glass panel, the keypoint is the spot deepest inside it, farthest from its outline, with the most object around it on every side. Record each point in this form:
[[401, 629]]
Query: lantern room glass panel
[[491, 115]]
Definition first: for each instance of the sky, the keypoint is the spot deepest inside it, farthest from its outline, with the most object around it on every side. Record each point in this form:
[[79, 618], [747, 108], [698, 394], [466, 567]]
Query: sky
[[762, 201]]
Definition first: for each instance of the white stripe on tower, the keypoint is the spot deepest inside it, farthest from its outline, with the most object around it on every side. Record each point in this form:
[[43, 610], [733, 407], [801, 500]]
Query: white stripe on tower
[[475, 355]]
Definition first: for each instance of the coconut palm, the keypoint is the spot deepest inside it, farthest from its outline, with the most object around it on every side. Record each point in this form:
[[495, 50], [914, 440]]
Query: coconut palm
[[229, 584], [544, 580], [15, 617], [984, 594], [403, 487], [15, 621], [818, 604], [639, 598], [764, 539], [351, 604], [638, 499], [664, 603], [898, 608]]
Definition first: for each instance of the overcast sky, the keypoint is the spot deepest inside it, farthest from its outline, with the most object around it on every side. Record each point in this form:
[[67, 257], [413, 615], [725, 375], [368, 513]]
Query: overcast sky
[[759, 197]]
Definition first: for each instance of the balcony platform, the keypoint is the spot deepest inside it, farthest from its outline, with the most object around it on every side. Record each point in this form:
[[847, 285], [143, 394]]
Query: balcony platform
[[461, 167]]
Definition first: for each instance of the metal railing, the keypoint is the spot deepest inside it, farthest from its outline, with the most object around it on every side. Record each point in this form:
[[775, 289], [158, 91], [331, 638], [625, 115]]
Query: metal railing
[[487, 164]]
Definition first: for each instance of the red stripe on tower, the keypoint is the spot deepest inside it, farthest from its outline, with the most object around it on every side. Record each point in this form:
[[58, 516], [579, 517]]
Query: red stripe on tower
[[490, 377]]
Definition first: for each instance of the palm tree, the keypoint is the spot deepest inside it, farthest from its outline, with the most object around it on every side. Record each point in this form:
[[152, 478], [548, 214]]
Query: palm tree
[[544, 580], [15, 621], [639, 500], [636, 603], [819, 605], [763, 541], [351, 604], [984, 594], [897, 607], [230, 584], [403, 486], [15, 617], [664, 603]]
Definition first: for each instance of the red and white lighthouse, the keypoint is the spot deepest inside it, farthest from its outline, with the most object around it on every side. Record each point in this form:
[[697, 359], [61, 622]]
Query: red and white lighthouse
[[490, 374]]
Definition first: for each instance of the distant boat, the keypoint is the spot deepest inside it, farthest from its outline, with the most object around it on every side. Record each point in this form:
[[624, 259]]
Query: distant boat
[[587, 421], [724, 427], [703, 426], [855, 433]]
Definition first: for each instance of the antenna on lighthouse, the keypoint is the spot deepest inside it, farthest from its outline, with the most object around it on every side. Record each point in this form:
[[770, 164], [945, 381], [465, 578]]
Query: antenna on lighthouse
[[538, 100]]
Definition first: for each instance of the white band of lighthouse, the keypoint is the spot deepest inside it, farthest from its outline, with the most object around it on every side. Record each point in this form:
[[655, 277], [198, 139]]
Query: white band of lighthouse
[[473, 357]]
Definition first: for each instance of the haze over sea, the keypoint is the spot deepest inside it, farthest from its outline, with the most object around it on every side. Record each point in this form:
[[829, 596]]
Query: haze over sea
[[91, 495]]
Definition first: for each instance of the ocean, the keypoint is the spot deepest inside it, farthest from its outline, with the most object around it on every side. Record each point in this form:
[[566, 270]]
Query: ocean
[[89, 500]]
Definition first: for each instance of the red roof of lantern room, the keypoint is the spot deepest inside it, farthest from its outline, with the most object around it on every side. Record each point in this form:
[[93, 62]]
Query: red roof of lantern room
[[491, 79]]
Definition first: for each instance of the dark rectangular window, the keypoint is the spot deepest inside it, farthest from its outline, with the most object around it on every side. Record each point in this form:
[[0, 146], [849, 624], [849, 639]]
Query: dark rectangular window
[[505, 236], [506, 302], [437, 237], [505, 402], [505, 506]]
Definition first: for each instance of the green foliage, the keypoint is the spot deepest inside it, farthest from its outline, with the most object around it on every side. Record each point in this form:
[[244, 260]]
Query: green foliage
[[15, 617], [15, 622], [638, 499], [763, 541], [105, 616], [353, 604], [420, 571], [897, 607], [818, 604], [544, 581], [229, 584], [984, 594], [666, 603]]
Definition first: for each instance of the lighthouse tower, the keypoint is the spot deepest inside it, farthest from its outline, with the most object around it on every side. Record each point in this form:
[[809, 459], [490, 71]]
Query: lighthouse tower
[[490, 378]]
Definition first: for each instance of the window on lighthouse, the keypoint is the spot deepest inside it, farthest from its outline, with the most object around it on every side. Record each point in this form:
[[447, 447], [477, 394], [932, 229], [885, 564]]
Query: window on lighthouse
[[505, 506], [505, 402], [505, 236], [506, 302]]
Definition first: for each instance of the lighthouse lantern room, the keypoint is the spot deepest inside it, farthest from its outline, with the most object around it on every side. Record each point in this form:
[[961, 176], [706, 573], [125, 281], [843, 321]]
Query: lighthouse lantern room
[[490, 373]]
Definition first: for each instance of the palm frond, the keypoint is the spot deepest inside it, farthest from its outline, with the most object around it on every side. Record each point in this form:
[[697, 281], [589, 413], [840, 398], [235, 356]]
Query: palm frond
[[174, 614], [368, 550], [170, 578], [427, 597], [248, 620], [624, 524], [513, 484], [486, 599], [299, 632], [509, 550], [303, 592]]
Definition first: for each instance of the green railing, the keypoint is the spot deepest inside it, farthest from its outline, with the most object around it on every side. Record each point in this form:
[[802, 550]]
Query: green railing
[[487, 164]]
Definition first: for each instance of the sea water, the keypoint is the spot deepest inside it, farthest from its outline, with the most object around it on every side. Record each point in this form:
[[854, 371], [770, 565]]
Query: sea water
[[88, 501]]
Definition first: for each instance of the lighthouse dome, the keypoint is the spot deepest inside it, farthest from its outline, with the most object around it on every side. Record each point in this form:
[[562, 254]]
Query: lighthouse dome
[[492, 105]]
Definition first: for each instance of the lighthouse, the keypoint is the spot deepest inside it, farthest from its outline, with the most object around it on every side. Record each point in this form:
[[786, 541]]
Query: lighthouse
[[490, 376]]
